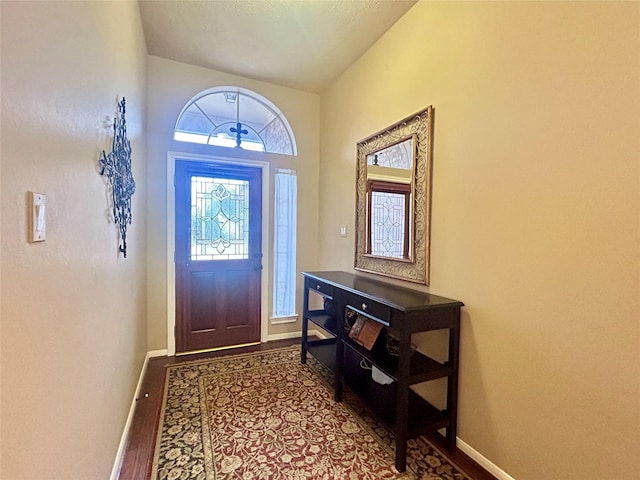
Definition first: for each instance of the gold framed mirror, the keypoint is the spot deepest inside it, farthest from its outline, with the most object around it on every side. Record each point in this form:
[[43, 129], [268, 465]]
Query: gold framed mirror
[[393, 199]]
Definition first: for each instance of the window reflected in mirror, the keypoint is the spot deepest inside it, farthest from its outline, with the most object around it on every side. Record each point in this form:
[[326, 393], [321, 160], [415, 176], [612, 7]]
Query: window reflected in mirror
[[389, 225], [397, 157], [389, 200]]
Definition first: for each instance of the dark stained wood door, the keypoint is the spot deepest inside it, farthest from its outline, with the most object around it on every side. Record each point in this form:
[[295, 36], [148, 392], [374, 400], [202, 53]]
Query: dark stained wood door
[[218, 255]]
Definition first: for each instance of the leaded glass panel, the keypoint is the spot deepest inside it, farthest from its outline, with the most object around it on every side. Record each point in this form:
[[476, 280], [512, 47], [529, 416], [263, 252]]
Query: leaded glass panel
[[217, 107], [254, 112], [219, 219], [276, 138], [193, 121], [399, 155], [387, 224]]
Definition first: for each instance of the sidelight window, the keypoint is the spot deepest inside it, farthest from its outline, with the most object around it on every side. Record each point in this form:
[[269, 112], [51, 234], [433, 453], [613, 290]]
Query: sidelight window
[[284, 263]]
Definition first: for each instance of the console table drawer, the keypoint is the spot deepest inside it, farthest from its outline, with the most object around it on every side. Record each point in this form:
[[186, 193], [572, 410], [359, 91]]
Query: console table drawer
[[370, 308], [321, 287]]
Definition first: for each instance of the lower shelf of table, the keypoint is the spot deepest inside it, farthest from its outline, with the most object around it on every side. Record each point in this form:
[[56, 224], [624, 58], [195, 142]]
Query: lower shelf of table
[[324, 351], [380, 399]]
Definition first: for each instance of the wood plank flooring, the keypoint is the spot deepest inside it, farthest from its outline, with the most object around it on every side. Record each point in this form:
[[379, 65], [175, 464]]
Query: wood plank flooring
[[138, 455]]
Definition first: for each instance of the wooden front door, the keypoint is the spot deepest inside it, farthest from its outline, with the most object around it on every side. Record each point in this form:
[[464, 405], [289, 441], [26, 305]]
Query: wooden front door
[[218, 255]]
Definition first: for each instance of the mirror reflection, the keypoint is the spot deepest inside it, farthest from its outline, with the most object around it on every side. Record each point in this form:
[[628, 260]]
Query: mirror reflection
[[389, 201]]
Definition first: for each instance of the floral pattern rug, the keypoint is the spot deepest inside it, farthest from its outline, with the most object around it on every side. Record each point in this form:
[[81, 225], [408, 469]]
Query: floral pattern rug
[[264, 415]]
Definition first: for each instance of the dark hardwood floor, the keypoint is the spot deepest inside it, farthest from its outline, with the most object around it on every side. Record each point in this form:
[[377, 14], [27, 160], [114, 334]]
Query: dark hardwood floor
[[138, 455]]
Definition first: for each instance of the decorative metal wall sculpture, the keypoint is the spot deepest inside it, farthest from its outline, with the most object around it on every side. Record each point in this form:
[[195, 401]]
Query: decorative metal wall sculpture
[[116, 165]]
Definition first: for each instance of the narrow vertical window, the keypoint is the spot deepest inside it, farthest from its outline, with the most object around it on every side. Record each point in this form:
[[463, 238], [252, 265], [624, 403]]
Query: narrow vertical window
[[285, 212]]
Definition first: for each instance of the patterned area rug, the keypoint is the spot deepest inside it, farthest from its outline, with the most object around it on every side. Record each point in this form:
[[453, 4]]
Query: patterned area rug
[[263, 415]]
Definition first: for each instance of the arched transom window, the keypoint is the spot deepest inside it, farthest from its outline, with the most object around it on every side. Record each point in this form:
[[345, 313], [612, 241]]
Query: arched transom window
[[235, 117]]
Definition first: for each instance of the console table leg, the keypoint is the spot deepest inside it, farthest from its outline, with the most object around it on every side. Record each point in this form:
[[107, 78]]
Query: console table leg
[[303, 349], [339, 360], [401, 431], [305, 327], [402, 405], [452, 387]]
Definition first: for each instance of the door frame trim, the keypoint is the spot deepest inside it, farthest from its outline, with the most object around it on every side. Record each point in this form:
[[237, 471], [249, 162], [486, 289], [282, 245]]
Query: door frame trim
[[171, 239]]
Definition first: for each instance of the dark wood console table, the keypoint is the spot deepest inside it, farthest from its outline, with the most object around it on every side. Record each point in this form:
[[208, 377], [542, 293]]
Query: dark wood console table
[[402, 312]]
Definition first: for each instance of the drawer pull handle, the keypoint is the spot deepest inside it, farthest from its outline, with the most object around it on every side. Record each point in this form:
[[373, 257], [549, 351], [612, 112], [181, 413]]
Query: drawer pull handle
[[364, 307], [317, 287]]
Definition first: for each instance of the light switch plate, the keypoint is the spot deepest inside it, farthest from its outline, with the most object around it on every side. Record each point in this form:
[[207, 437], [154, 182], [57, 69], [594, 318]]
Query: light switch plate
[[343, 230], [38, 224]]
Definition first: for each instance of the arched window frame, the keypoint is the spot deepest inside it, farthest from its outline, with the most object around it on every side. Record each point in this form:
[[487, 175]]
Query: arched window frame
[[216, 127]]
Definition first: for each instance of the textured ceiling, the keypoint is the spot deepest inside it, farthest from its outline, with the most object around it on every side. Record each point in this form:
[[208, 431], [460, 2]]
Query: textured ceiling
[[303, 44]]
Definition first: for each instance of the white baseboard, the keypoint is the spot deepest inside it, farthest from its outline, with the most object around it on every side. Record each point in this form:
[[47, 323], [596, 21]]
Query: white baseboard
[[281, 320], [115, 472], [288, 335], [483, 461], [283, 336], [156, 353]]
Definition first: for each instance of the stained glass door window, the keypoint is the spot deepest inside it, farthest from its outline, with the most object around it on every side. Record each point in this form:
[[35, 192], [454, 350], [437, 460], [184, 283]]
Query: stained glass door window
[[219, 219]]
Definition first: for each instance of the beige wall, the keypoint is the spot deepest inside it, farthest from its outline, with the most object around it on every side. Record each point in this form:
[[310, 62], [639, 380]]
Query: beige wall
[[73, 310], [171, 85], [535, 222]]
